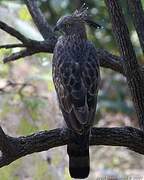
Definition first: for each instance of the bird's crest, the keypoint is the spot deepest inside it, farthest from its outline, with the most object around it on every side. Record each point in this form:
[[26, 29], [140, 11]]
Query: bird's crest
[[81, 13], [84, 15]]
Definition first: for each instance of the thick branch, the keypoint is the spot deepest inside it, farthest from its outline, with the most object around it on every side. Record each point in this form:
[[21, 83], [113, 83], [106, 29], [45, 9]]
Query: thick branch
[[108, 60], [2, 138], [32, 46], [132, 70], [44, 140], [122, 36], [137, 13], [39, 19], [5, 146]]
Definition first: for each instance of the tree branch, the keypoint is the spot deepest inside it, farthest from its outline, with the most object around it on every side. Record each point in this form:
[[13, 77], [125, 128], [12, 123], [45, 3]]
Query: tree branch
[[40, 20], [122, 37], [13, 32], [133, 72], [32, 46], [107, 60], [12, 84], [18, 55], [10, 46], [129, 137], [137, 13], [5, 146]]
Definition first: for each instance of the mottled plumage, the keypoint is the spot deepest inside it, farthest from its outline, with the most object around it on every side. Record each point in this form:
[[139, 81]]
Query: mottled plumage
[[76, 78]]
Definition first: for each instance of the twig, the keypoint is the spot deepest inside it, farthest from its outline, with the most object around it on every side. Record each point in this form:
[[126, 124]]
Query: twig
[[13, 32], [13, 84], [129, 137], [19, 55], [107, 60], [9, 46]]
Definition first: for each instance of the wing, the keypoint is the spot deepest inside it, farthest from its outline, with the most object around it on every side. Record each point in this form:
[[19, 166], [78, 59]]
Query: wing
[[76, 79], [91, 78]]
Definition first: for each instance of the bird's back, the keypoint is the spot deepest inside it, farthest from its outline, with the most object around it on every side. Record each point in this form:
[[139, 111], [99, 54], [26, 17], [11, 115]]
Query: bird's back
[[76, 78]]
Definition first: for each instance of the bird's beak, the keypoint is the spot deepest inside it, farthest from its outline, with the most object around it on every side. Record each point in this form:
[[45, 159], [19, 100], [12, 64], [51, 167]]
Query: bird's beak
[[55, 29]]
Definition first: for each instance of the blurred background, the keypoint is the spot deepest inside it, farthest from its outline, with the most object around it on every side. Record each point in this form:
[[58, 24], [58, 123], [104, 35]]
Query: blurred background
[[28, 101]]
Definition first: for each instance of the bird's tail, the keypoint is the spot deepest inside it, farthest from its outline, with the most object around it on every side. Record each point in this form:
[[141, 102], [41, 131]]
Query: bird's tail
[[78, 151]]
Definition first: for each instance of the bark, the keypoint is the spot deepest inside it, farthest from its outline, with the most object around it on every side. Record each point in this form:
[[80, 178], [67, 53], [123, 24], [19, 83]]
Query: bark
[[107, 60], [14, 148], [132, 70], [40, 21]]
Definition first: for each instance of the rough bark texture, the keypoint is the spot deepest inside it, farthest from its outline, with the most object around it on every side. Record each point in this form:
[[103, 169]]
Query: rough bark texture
[[40, 21], [107, 60], [13, 148], [131, 67]]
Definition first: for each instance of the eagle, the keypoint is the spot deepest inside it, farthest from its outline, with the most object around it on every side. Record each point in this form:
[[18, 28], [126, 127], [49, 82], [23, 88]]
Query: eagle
[[76, 76]]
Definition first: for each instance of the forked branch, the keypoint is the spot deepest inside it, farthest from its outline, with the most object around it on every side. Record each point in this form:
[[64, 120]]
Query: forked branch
[[107, 60], [40, 21]]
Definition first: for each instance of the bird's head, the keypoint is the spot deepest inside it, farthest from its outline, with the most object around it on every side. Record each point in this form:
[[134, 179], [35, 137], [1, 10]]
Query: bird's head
[[75, 23]]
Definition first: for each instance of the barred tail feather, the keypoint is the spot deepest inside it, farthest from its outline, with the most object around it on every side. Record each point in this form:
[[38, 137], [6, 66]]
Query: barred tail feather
[[79, 163]]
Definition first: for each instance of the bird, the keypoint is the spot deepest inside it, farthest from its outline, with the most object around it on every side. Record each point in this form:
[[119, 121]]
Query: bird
[[76, 77]]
